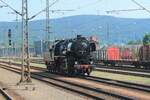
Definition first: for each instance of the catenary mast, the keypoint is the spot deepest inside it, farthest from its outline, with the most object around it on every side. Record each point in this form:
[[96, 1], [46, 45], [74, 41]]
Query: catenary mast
[[25, 77]]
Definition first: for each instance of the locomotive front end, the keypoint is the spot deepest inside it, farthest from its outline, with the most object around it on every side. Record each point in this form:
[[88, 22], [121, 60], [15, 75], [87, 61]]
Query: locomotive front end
[[82, 48]]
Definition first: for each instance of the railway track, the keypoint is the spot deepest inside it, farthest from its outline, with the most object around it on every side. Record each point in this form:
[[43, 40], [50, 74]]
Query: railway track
[[127, 71], [136, 86], [94, 91], [4, 95], [73, 87], [124, 67], [95, 78], [117, 70]]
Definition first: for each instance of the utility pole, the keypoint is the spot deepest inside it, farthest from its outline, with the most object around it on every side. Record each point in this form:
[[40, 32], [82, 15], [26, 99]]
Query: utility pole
[[41, 48], [108, 37], [47, 25], [25, 77], [17, 32]]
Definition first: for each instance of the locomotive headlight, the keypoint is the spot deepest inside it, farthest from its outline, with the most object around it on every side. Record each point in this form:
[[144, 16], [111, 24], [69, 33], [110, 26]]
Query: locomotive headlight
[[91, 62], [64, 52], [76, 62]]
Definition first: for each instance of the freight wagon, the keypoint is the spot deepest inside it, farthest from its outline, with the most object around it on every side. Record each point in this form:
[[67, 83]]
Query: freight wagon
[[124, 55]]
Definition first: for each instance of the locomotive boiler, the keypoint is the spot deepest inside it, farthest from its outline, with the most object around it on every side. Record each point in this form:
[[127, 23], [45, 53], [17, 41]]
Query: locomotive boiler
[[71, 56]]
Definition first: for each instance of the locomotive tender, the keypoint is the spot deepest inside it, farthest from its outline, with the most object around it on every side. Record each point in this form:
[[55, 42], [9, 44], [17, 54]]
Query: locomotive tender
[[71, 56]]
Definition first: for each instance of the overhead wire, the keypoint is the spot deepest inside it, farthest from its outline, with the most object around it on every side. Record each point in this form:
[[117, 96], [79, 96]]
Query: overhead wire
[[78, 8], [11, 8], [43, 10], [138, 9], [122, 10], [1, 6], [141, 6]]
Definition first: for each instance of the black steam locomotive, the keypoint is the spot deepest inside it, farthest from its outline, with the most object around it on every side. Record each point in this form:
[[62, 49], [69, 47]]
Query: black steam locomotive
[[71, 56]]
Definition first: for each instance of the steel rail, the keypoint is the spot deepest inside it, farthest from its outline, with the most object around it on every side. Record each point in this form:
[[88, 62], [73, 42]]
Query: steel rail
[[6, 95], [106, 80], [129, 85], [122, 71], [88, 90]]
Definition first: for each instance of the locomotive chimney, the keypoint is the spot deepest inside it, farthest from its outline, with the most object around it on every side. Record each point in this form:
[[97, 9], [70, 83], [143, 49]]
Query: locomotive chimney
[[79, 36]]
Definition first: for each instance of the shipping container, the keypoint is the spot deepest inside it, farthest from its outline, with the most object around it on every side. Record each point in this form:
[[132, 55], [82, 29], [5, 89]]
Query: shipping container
[[113, 53]]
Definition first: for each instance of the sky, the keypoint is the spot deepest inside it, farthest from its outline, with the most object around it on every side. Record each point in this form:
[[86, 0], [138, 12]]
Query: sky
[[79, 7]]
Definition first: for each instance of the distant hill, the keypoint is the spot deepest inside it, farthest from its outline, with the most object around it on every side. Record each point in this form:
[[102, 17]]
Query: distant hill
[[107, 28]]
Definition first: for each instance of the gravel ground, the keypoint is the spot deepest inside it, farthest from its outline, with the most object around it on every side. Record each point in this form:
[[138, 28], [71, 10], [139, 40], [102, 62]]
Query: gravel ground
[[42, 90]]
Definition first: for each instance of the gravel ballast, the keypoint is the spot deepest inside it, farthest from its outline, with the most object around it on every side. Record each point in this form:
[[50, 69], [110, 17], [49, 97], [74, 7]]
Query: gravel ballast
[[42, 90]]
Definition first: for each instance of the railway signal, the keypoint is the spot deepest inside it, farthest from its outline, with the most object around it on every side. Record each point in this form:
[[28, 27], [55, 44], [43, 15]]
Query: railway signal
[[9, 43], [16, 30], [9, 37]]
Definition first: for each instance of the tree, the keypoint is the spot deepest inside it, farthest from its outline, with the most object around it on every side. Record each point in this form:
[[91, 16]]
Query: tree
[[146, 39]]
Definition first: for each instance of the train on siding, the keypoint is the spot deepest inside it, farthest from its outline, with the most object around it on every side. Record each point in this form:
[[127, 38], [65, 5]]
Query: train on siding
[[137, 56], [71, 56]]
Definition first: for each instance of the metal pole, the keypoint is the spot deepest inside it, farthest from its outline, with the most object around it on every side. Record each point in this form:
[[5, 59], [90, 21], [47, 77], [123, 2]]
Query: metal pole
[[17, 31], [27, 44], [41, 48], [25, 76], [108, 37], [22, 68], [47, 23]]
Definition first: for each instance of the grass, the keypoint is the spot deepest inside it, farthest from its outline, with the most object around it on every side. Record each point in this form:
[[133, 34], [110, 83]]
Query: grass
[[38, 65], [127, 78]]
